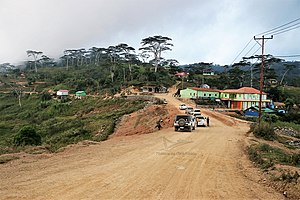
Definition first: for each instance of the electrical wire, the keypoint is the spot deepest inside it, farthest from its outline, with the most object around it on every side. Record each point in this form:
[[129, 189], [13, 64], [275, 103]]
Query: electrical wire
[[283, 29], [241, 51], [267, 32], [286, 30], [259, 48], [275, 31], [250, 49], [289, 56]]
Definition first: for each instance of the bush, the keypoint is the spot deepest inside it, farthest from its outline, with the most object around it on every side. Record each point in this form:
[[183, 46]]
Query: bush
[[289, 177], [290, 117], [270, 118], [265, 131], [295, 159], [45, 96], [255, 155], [71, 136], [27, 136]]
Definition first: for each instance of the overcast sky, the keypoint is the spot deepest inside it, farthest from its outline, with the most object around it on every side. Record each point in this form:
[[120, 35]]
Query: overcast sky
[[201, 30]]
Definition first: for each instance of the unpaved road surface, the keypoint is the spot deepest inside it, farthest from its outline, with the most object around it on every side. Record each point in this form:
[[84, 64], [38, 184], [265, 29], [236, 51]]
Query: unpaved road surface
[[208, 163]]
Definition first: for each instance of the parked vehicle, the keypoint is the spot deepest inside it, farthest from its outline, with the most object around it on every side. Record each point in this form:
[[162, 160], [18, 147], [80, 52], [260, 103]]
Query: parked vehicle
[[185, 122], [200, 120], [196, 111], [189, 110], [182, 106]]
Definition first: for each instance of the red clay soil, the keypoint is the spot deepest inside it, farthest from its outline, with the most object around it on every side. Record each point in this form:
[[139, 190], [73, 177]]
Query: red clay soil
[[144, 121]]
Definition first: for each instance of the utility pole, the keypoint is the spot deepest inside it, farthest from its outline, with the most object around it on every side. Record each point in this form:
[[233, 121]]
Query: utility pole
[[263, 38]]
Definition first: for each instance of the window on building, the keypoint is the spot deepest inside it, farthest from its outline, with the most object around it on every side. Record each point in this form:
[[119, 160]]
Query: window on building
[[204, 94], [209, 95]]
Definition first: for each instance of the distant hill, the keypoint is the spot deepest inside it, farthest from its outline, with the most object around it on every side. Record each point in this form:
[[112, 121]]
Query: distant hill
[[278, 67]]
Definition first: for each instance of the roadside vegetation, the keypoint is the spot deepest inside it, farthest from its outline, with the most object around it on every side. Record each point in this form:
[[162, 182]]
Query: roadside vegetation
[[54, 123], [30, 114]]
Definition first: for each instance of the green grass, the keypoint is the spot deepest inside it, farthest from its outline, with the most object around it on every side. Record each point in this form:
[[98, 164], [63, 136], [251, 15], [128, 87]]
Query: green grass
[[288, 125], [292, 92], [6, 159], [61, 123], [266, 156]]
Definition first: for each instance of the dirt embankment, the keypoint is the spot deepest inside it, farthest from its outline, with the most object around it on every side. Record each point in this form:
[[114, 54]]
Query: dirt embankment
[[207, 163], [144, 121]]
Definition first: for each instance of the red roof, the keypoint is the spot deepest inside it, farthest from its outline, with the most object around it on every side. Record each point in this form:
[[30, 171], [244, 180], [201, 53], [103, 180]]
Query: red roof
[[63, 90], [181, 74], [205, 89], [243, 90]]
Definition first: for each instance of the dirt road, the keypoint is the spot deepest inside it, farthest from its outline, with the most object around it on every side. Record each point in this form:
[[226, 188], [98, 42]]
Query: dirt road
[[208, 163]]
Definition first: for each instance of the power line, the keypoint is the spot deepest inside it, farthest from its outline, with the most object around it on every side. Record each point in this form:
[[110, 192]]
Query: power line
[[282, 29], [256, 51], [286, 30], [275, 31], [241, 51], [250, 49], [288, 56], [278, 27]]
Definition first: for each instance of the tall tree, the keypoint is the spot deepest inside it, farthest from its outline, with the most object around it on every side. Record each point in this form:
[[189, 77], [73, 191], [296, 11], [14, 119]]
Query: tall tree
[[69, 54], [96, 53], [46, 61], [113, 53], [288, 68], [156, 45], [128, 55], [35, 55]]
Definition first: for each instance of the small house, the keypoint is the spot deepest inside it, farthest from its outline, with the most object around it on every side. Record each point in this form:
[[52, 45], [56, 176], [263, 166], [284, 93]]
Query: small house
[[208, 72], [200, 93], [62, 93], [154, 89], [80, 94]]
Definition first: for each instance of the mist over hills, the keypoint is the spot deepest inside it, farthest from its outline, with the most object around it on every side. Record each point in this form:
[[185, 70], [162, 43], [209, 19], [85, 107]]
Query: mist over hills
[[278, 67]]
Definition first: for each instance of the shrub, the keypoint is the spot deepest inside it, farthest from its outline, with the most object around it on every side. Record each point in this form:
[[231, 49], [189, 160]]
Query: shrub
[[265, 131], [295, 159], [270, 118], [45, 96], [71, 136], [289, 177], [255, 155], [27, 136]]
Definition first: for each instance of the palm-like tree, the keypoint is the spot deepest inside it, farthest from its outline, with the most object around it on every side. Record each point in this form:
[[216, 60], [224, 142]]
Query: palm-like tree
[[35, 55], [156, 45], [288, 68]]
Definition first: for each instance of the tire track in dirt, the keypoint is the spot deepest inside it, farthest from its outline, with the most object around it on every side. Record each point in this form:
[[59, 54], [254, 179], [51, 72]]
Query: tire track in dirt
[[206, 164]]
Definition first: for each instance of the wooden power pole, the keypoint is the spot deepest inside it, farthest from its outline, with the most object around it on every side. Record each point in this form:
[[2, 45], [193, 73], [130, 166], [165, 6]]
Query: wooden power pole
[[263, 38]]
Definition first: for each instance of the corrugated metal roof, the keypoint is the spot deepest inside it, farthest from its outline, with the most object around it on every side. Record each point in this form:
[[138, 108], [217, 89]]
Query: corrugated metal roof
[[205, 89], [243, 90]]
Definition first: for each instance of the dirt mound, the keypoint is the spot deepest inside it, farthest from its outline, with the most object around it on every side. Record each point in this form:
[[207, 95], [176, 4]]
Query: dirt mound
[[144, 121]]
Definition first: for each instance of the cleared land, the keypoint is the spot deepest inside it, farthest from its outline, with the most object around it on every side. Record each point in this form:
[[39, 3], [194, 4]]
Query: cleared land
[[208, 163]]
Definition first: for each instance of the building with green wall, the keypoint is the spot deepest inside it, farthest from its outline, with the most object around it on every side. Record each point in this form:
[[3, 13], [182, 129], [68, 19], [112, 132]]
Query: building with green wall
[[195, 92]]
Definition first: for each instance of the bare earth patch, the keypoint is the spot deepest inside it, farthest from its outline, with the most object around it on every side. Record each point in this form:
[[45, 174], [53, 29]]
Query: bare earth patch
[[208, 163]]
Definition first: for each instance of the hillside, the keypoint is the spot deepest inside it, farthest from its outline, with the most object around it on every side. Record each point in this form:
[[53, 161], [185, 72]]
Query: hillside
[[204, 164]]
